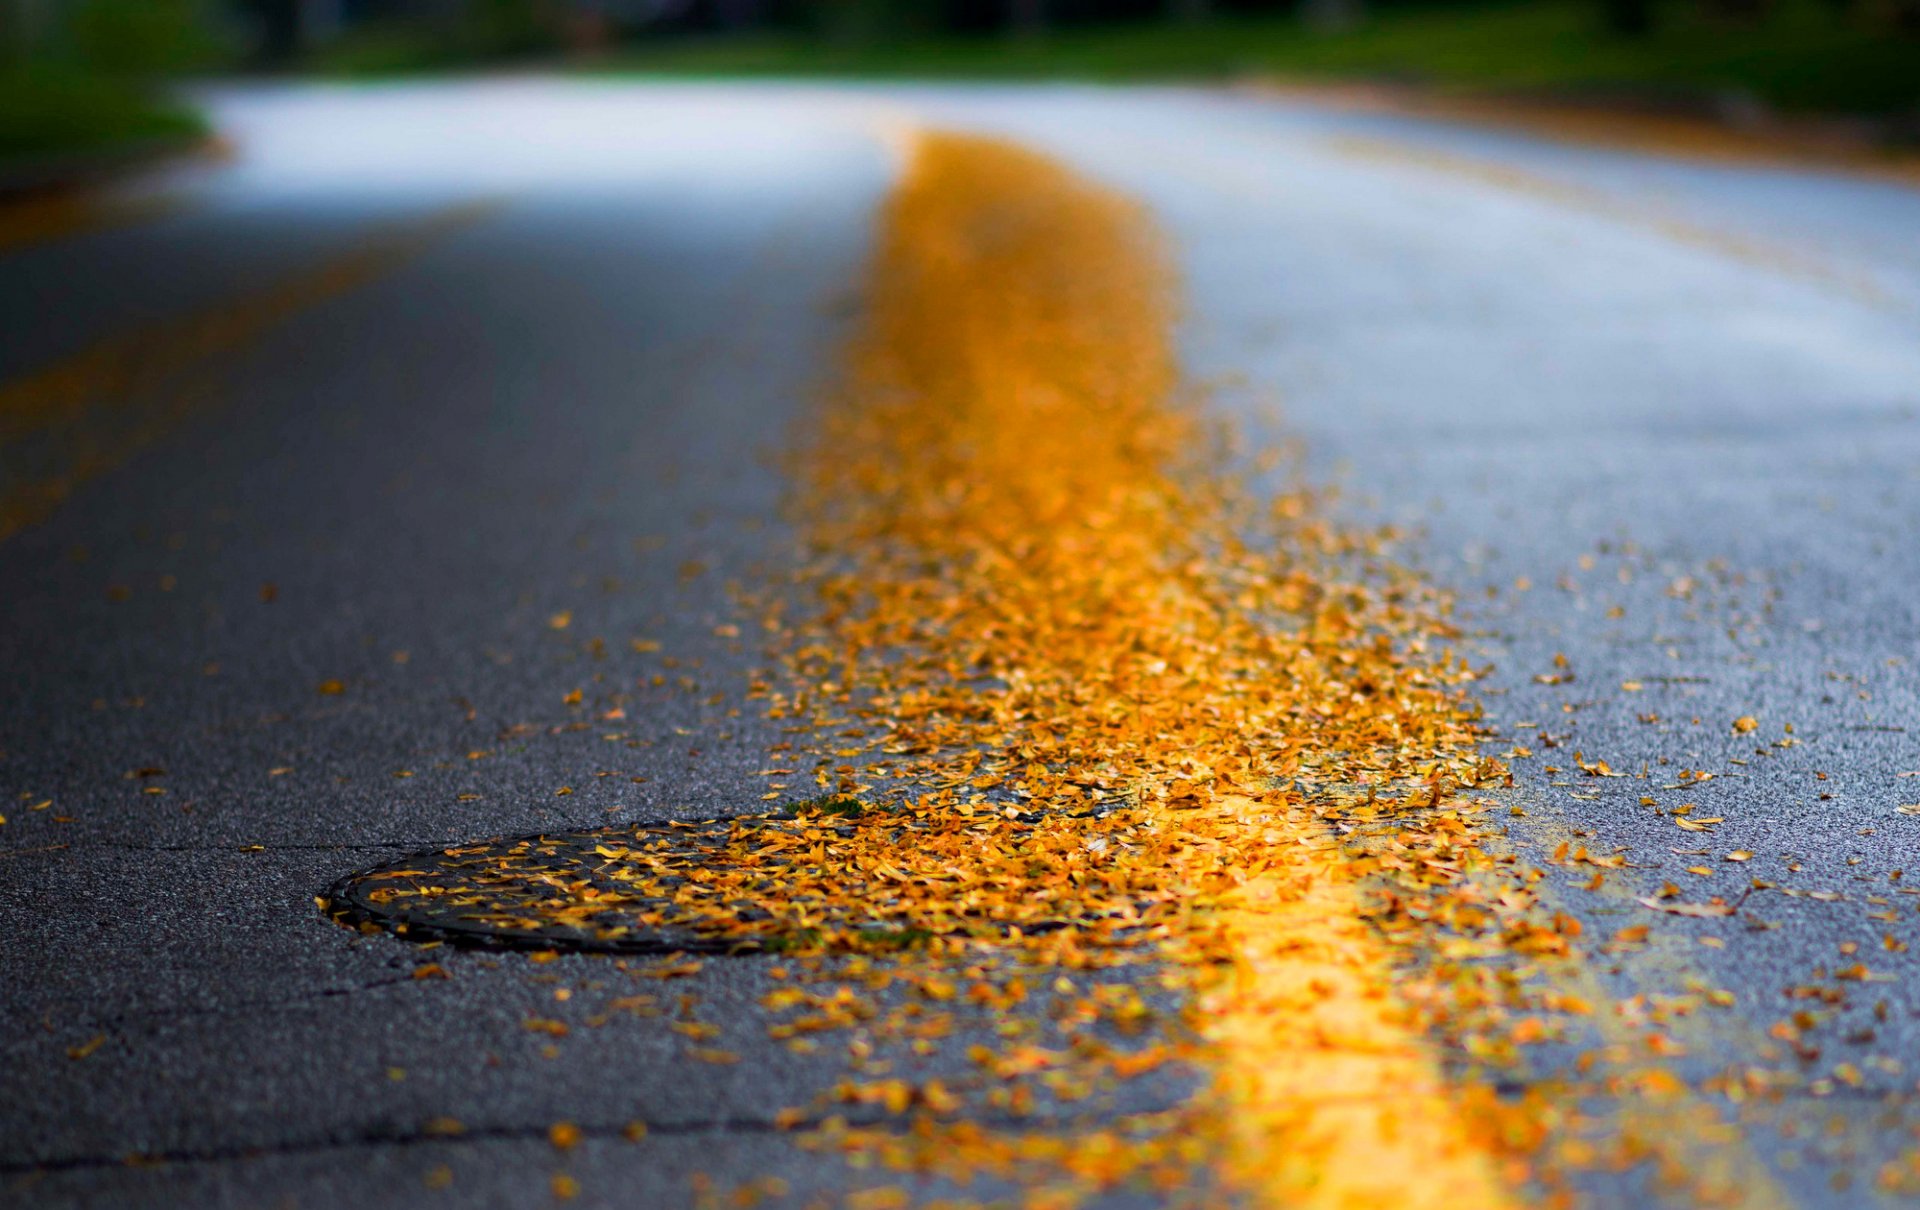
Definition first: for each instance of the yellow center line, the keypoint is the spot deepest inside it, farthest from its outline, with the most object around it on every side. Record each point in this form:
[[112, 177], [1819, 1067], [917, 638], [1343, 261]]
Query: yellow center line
[[1333, 1097], [41, 220], [1021, 491], [1773, 255], [98, 407]]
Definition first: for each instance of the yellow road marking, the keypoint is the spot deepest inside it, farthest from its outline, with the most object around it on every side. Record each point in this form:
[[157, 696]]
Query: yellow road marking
[[1011, 457], [1674, 137], [42, 219], [1333, 1099], [100, 406], [1766, 254]]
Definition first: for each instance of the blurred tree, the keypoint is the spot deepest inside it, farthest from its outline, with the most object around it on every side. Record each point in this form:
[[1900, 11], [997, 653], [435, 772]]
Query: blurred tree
[[851, 22], [115, 37], [1743, 11], [278, 29], [141, 37], [507, 27], [1333, 16], [1906, 16], [24, 27], [1629, 18], [739, 14], [1028, 18]]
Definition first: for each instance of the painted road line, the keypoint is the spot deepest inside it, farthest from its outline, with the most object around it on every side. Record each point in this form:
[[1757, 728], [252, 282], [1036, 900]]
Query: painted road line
[[1770, 255], [1011, 457], [93, 410], [42, 220]]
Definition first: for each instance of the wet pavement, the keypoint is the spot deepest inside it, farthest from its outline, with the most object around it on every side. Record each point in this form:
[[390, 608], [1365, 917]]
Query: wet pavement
[[443, 547]]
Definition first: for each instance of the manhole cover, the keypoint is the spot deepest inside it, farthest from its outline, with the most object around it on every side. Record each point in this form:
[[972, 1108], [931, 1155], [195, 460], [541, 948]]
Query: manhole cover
[[853, 877], [609, 890]]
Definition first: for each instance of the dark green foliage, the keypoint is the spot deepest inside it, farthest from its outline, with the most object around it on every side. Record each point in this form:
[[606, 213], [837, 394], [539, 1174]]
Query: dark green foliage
[[142, 37], [1796, 55], [48, 111], [83, 77]]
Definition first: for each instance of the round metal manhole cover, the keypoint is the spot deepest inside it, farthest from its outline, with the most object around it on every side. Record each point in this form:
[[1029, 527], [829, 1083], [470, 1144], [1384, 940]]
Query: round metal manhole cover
[[609, 890], [868, 877]]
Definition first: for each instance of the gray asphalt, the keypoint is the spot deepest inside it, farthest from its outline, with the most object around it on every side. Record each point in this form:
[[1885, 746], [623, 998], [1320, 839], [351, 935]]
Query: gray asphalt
[[1680, 401]]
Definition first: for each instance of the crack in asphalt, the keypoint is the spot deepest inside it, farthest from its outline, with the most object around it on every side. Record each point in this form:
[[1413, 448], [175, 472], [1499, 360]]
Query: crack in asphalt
[[481, 1134], [250, 847], [136, 1017], [87, 846], [380, 1137]]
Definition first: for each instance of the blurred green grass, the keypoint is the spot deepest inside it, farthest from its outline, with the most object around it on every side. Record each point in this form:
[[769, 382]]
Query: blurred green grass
[[87, 76], [1801, 56], [58, 110]]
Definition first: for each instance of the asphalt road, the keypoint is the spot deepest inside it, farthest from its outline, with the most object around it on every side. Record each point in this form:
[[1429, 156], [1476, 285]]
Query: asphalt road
[[482, 383]]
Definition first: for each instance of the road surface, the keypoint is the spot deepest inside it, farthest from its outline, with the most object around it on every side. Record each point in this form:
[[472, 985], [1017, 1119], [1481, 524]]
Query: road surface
[[332, 479]]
